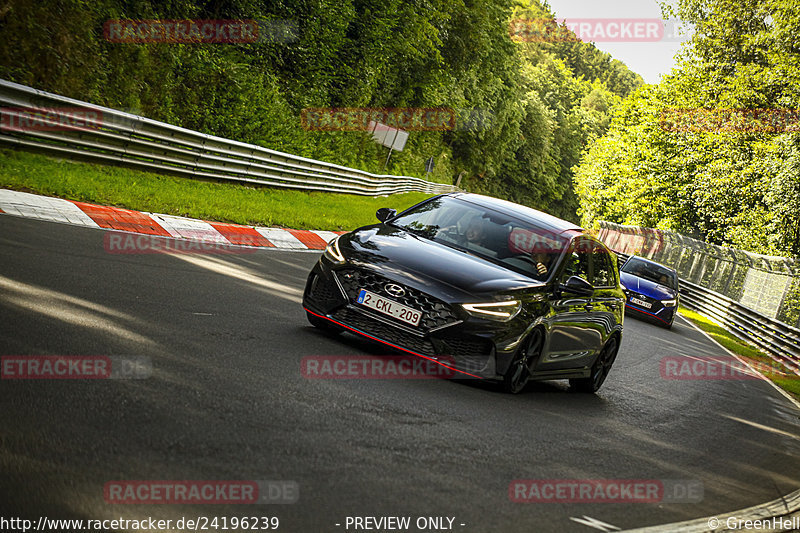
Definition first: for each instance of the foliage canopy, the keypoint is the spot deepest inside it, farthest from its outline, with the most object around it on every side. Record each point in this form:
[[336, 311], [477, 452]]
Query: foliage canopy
[[530, 108]]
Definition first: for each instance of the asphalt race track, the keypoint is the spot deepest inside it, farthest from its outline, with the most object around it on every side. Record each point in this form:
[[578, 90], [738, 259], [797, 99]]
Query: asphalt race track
[[227, 401]]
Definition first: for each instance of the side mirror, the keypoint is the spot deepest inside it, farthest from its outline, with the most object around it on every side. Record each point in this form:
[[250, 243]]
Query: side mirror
[[577, 285], [384, 213]]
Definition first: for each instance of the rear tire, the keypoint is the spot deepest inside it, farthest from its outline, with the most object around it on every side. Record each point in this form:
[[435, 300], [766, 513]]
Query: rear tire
[[600, 369], [521, 368]]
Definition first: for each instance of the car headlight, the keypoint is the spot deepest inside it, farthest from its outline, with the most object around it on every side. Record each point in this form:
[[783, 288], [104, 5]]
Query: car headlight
[[332, 251], [669, 303], [500, 311]]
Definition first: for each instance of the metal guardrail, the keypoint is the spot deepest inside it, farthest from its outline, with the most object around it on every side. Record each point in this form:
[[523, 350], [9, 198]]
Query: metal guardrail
[[114, 137], [781, 342]]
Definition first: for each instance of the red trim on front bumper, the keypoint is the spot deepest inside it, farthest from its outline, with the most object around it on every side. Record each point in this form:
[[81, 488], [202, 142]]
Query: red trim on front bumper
[[629, 306], [390, 344]]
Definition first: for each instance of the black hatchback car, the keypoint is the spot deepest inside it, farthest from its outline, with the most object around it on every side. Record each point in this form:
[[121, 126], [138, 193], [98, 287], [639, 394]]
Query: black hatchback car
[[487, 287]]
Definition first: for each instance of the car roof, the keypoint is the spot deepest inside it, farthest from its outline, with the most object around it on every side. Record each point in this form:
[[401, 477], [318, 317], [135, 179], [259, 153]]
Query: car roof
[[554, 224], [645, 260]]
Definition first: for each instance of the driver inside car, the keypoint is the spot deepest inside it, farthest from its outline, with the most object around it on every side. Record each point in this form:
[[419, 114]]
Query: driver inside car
[[476, 233], [541, 260]]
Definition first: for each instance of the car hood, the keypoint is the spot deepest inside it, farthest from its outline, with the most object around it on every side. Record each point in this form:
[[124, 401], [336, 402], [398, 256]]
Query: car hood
[[421, 262], [646, 287]]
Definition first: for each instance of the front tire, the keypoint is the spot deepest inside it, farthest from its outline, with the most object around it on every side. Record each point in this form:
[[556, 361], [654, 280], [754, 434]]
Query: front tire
[[600, 369], [322, 324], [521, 368]]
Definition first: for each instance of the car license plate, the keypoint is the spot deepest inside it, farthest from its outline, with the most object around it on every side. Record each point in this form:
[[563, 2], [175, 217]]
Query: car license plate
[[389, 307], [637, 301]]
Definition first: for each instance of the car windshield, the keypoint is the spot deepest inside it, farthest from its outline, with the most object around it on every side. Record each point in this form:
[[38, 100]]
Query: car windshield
[[500, 237], [649, 271]]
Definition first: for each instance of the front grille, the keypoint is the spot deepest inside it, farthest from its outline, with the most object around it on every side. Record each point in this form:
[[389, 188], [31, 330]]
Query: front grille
[[384, 331], [656, 304], [325, 293], [465, 347], [435, 313], [469, 354]]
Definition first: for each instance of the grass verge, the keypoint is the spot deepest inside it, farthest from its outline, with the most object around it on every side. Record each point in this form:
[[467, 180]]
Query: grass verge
[[745, 351], [222, 202]]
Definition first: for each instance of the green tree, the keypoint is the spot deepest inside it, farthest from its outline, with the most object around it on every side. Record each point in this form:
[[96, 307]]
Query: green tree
[[696, 176], [526, 110]]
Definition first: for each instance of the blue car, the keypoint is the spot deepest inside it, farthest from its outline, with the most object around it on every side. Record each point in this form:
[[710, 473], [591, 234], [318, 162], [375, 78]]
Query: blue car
[[651, 290]]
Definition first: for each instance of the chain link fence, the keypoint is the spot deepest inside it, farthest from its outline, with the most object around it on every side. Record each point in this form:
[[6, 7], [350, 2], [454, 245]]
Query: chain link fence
[[768, 285]]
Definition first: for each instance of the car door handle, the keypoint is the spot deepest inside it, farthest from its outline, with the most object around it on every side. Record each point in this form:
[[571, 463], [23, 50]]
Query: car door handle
[[588, 307]]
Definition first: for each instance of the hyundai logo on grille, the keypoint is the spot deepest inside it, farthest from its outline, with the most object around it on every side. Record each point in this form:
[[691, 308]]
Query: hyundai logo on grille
[[394, 290]]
